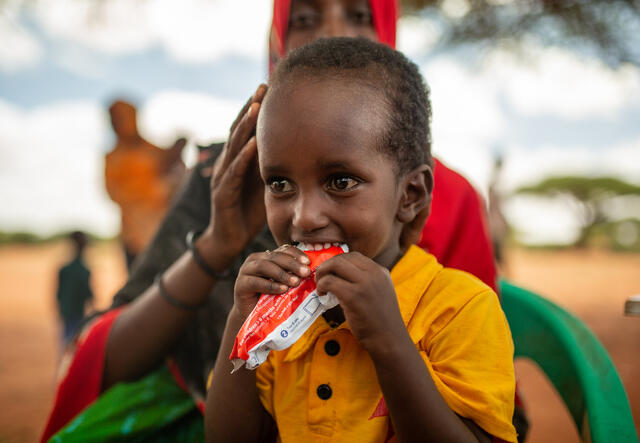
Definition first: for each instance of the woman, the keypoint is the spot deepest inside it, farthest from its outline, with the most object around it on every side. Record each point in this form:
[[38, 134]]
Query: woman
[[182, 315]]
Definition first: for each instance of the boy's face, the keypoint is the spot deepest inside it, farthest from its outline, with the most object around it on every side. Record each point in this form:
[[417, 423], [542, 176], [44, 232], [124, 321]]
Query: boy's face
[[310, 20], [325, 180]]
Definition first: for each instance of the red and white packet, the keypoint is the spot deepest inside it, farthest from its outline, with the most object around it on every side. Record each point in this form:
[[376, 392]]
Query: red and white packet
[[278, 321]]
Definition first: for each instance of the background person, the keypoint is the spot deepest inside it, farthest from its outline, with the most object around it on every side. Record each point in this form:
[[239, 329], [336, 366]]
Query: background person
[[140, 178], [74, 295]]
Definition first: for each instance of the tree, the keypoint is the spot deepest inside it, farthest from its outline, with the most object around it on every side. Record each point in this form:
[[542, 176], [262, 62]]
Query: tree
[[589, 196], [605, 28]]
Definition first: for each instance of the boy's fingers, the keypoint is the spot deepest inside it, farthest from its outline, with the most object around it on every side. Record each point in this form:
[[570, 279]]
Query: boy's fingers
[[295, 252], [334, 284], [342, 266], [287, 258], [279, 267], [255, 284]]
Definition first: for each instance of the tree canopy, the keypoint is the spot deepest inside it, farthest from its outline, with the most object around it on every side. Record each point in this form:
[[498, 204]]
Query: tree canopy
[[605, 28], [589, 194]]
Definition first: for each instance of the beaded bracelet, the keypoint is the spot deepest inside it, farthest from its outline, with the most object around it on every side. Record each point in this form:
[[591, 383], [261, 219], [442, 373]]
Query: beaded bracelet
[[191, 244], [174, 301]]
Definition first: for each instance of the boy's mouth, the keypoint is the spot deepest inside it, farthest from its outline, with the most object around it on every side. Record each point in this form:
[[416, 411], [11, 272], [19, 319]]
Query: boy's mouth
[[319, 246]]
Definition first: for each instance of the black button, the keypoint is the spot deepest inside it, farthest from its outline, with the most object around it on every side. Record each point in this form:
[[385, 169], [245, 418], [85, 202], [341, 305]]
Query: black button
[[324, 392], [332, 347]]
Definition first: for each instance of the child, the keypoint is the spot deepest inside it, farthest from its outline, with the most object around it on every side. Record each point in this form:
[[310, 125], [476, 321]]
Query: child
[[423, 352], [74, 293]]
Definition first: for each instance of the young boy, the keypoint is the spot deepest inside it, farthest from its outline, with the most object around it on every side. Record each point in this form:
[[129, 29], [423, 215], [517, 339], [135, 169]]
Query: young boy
[[422, 352]]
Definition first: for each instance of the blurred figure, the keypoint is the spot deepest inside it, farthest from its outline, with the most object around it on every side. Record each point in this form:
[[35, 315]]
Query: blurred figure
[[140, 178], [498, 225], [74, 295]]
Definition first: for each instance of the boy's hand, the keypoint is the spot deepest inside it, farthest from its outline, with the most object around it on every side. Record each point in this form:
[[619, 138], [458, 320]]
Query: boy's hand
[[270, 272], [367, 297]]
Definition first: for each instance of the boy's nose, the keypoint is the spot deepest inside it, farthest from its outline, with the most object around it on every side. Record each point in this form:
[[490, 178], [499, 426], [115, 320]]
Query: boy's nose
[[308, 215]]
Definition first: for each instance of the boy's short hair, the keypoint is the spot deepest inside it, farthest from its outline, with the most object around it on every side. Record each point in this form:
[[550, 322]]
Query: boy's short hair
[[407, 138]]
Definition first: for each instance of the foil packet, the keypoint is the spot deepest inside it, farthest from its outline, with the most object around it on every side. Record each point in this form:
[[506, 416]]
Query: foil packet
[[278, 321]]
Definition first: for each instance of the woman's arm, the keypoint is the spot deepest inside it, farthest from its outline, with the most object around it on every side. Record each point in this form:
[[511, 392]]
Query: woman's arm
[[143, 335]]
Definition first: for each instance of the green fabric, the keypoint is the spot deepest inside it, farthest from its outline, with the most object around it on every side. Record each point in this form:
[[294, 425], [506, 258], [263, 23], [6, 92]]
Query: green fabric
[[575, 362], [152, 409]]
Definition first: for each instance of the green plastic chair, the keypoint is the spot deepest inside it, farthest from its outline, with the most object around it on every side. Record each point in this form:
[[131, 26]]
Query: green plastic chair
[[575, 362]]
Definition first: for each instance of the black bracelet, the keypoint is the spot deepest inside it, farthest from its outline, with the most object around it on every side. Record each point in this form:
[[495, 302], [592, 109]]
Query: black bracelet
[[174, 301], [191, 244]]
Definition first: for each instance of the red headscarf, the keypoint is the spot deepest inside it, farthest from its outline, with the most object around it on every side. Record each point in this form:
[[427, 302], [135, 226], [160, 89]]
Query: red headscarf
[[385, 15]]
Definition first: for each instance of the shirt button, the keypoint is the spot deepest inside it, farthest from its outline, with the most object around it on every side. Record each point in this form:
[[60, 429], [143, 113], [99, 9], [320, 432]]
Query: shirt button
[[324, 392], [332, 347]]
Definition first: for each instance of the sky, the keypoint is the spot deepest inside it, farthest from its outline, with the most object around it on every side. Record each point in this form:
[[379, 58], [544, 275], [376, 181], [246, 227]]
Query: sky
[[190, 65]]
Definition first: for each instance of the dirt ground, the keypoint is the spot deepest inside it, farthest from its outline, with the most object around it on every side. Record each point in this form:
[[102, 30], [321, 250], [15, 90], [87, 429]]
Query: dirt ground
[[591, 284]]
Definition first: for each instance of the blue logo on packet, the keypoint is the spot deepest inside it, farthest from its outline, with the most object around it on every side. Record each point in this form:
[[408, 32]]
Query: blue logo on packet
[[284, 333]]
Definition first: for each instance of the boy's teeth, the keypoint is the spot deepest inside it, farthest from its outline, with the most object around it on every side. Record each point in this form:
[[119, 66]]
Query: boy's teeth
[[319, 246]]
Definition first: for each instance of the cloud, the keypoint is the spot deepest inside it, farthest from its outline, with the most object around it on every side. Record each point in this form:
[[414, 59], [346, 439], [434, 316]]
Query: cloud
[[20, 49], [471, 122], [416, 35], [191, 31], [52, 157], [51, 169], [200, 117], [542, 221], [558, 82], [525, 166]]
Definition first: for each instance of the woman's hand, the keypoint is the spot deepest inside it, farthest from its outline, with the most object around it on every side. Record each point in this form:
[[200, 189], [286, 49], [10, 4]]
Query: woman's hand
[[368, 299], [237, 200], [270, 272]]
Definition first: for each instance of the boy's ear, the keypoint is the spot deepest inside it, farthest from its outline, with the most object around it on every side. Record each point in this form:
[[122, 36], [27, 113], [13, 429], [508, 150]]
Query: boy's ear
[[415, 203]]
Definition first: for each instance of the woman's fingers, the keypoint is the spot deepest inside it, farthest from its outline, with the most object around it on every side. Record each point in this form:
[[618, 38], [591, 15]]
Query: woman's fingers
[[257, 96], [243, 127], [238, 137], [239, 166]]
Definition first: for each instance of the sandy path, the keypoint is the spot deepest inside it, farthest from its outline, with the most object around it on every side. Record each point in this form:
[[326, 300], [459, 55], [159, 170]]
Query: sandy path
[[591, 284], [29, 333]]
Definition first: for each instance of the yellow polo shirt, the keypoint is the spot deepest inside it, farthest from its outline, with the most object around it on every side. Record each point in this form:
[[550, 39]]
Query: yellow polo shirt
[[325, 388]]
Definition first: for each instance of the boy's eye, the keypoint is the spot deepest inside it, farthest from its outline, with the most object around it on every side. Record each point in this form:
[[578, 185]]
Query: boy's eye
[[342, 183], [280, 185]]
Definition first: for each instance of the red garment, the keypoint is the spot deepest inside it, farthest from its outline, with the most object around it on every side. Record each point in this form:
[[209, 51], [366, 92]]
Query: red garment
[[456, 231], [73, 396], [385, 15]]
